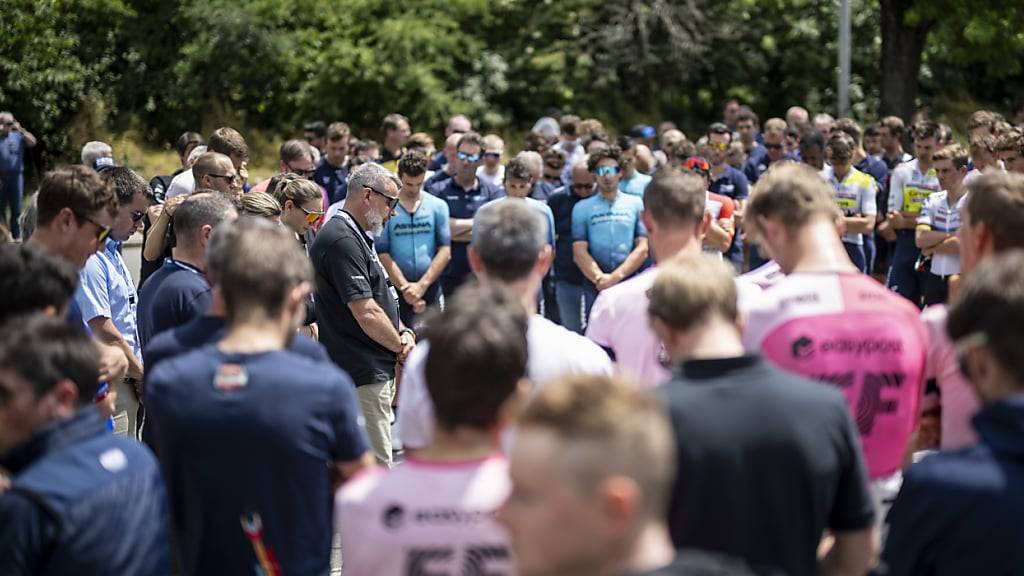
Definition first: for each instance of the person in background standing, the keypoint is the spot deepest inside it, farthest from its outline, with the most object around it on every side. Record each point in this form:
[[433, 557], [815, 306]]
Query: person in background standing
[[13, 141]]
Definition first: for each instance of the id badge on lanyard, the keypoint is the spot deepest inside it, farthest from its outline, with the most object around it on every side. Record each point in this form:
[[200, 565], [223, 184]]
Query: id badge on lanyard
[[373, 255]]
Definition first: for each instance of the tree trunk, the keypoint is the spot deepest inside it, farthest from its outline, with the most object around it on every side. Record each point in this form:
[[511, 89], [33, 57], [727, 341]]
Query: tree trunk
[[902, 47]]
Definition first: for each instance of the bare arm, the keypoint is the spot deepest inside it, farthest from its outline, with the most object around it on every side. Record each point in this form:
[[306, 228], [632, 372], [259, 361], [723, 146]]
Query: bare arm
[[950, 245], [30, 140], [344, 471], [717, 237], [156, 239], [586, 263], [113, 363], [859, 224], [375, 323], [397, 278], [437, 265], [926, 238], [633, 261], [462, 229], [105, 332], [852, 554]]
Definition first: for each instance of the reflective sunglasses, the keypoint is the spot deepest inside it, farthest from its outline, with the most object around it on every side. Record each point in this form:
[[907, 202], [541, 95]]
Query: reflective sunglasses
[[465, 158], [312, 216], [392, 200], [102, 231], [697, 163], [606, 170], [720, 146]]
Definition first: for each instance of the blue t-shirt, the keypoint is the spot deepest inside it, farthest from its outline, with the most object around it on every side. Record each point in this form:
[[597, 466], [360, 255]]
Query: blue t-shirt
[[333, 179], [173, 295], [609, 229], [244, 441], [12, 153], [561, 203], [732, 184], [412, 240], [464, 204], [209, 329], [635, 185]]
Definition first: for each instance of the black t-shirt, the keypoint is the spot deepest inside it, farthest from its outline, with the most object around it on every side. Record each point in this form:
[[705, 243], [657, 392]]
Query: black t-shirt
[[561, 202], [347, 269], [767, 461]]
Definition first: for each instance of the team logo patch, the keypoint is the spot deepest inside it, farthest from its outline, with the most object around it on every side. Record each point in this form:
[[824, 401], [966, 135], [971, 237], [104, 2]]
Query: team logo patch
[[803, 348], [230, 377]]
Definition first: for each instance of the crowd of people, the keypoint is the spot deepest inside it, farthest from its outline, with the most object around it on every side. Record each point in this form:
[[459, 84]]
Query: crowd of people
[[788, 347]]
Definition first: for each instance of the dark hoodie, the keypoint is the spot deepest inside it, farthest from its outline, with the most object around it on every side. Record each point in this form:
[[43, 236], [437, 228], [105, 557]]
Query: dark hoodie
[[962, 512]]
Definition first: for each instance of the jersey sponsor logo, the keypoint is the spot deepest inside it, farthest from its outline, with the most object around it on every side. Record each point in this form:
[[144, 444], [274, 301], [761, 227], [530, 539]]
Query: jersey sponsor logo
[[806, 298], [805, 348], [872, 401], [230, 377], [438, 561]]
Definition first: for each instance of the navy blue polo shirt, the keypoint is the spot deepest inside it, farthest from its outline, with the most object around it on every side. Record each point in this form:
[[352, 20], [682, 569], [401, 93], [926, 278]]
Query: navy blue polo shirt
[[245, 442], [333, 179], [561, 203], [464, 204], [437, 161], [543, 189], [207, 330], [437, 181], [172, 296], [732, 184]]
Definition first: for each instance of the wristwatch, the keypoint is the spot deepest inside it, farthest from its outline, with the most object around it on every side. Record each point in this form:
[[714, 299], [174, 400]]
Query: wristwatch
[[406, 330]]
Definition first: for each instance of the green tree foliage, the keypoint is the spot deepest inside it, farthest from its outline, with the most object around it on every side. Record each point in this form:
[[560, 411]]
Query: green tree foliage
[[268, 65]]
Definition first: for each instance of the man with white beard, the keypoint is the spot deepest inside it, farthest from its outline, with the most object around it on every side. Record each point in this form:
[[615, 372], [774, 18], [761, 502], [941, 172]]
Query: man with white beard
[[360, 326]]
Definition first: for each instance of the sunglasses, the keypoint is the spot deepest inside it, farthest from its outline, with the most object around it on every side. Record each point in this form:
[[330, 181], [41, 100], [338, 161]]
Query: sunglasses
[[583, 186], [697, 163], [137, 215], [465, 158], [772, 146], [312, 216], [101, 231], [232, 179], [492, 154], [722, 146], [300, 172], [392, 200], [607, 170]]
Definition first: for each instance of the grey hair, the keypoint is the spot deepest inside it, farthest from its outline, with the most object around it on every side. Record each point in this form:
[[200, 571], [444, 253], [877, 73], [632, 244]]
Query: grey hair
[[95, 149], [371, 175], [533, 159], [508, 235], [823, 118]]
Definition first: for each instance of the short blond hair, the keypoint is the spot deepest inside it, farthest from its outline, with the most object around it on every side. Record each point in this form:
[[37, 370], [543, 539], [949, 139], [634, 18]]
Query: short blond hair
[[794, 194], [493, 142], [776, 125], [610, 427], [691, 289]]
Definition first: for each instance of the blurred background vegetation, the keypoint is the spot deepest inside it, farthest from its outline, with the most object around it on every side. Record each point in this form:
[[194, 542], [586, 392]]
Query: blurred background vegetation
[[140, 72]]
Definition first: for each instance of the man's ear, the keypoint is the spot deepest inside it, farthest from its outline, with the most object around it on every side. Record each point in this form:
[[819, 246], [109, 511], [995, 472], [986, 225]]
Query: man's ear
[[619, 501], [544, 259], [648, 221]]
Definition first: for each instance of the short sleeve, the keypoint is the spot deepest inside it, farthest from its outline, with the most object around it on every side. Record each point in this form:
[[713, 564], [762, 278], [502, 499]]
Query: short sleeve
[[896, 183], [741, 186], [442, 227], [93, 295], [347, 420], [853, 508], [926, 216], [601, 325], [639, 230], [551, 224], [25, 533], [867, 201], [383, 242], [579, 223], [344, 264], [416, 410]]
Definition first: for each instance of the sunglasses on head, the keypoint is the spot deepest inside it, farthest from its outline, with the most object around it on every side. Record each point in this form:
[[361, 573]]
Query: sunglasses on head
[[607, 170], [467, 157], [312, 216], [101, 231], [697, 163]]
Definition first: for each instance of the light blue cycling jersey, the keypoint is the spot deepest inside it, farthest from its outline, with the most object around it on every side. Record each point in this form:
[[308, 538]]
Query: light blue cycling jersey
[[609, 229], [537, 206], [412, 240]]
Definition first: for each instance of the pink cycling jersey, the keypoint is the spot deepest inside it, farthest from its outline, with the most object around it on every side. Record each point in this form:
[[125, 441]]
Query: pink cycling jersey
[[958, 400], [426, 518], [849, 331]]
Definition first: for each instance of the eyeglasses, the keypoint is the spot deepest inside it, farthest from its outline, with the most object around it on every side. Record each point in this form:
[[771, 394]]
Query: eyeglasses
[[137, 215], [232, 179], [102, 231], [607, 170], [720, 146], [392, 200], [772, 146], [300, 171], [471, 158], [312, 216]]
